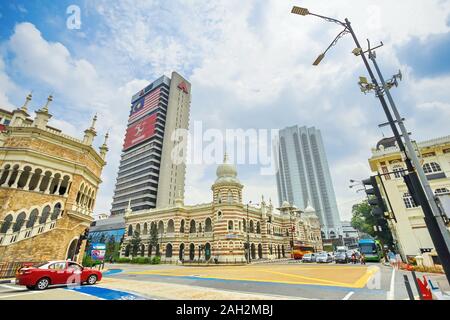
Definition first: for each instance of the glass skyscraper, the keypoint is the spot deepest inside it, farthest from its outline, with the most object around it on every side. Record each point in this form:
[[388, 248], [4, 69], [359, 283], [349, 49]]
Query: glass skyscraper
[[303, 175]]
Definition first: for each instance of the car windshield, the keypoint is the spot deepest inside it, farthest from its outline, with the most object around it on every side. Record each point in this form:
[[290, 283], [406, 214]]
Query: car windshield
[[323, 255]]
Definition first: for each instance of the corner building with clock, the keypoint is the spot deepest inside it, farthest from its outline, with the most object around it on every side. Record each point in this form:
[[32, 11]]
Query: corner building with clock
[[221, 230]]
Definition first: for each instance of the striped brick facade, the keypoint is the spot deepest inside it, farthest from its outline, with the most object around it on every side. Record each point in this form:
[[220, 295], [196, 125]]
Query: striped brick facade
[[220, 229]]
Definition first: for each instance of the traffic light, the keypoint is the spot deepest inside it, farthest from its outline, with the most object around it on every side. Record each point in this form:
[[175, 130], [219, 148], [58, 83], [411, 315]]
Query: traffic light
[[374, 196]]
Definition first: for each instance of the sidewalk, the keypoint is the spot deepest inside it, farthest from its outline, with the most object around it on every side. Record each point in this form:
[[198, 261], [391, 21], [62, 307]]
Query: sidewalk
[[166, 291]]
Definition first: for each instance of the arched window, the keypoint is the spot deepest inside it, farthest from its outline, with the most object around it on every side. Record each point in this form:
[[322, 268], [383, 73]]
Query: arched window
[[192, 228], [244, 223], [431, 167], [258, 227], [56, 211], [168, 250], [6, 223], [160, 227], [398, 171], [219, 215], [208, 225], [138, 228], [408, 200], [252, 227], [182, 226], [20, 220], [145, 228], [130, 230], [45, 214], [230, 225], [170, 226], [230, 196], [32, 219]]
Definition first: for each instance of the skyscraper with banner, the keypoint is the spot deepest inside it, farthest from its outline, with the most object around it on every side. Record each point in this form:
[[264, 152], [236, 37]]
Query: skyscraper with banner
[[148, 177]]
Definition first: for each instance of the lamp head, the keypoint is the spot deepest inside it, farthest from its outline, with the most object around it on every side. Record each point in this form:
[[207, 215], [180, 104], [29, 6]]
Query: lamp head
[[319, 59], [300, 11]]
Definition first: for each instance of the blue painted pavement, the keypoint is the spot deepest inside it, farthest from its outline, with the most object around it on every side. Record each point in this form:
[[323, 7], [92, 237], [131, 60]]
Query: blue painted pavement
[[106, 294], [111, 272]]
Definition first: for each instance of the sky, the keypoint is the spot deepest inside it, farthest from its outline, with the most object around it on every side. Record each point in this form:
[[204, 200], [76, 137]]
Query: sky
[[250, 66]]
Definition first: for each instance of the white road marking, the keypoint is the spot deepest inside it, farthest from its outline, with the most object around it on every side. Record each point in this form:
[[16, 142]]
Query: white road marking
[[390, 293], [348, 295], [13, 288], [20, 294]]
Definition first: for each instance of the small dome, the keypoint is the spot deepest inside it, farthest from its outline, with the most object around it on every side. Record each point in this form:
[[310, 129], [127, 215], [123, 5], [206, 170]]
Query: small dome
[[310, 209], [386, 143], [226, 172], [285, 204]]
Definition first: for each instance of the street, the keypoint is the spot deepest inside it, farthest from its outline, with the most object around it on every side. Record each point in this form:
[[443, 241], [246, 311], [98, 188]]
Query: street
[[282, 280]]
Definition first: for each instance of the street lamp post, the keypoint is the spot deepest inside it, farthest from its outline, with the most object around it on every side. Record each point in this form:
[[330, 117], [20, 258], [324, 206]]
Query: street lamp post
[[438, 235], [247, 227]]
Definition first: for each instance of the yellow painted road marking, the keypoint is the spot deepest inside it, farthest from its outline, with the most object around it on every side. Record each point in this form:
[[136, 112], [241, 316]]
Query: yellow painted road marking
[[210, 273]]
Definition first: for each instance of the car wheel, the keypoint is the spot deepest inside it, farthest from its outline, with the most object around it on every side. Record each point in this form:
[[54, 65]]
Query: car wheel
[[30, 287], [92, 279], [42, 284]]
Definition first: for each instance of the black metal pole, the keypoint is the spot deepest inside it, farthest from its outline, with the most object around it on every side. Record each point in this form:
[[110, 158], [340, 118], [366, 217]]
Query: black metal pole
[[416, 188], [408, 287]]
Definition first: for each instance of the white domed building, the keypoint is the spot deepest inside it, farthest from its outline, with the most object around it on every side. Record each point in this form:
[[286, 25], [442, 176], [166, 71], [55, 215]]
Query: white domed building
[[221, 230]]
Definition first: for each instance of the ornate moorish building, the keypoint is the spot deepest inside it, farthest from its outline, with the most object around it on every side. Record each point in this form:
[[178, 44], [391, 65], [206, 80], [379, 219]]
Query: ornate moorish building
[[222, 229], [48, 185]]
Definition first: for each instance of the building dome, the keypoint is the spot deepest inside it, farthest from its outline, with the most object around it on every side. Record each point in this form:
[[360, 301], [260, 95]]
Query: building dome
[[310, 209], [226, 172], [285, 204], [386, 143]]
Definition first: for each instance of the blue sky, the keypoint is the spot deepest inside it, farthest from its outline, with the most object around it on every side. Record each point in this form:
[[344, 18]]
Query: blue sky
[[250, 67]]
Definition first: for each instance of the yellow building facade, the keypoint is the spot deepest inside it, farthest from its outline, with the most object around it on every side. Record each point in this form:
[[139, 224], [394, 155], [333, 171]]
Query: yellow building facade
[[410, 232], [223, 229], [48, 186]]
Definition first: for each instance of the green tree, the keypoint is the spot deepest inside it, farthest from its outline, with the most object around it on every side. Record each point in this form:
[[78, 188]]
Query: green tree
[[153, 236], [364, 222], [135, 242]]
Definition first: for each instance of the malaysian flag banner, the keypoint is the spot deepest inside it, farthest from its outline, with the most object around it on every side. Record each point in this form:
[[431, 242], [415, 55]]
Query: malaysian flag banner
[[140, 131], [144, 105]]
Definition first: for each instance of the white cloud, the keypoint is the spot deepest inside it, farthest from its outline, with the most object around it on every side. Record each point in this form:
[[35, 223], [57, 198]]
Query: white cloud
[[250, 66]]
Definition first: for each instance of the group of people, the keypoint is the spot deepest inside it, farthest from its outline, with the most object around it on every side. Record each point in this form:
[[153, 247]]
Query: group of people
[[361, 259], [394, 259]]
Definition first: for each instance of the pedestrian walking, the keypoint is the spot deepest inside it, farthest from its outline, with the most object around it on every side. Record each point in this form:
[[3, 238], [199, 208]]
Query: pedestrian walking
[[363, 258], [392, 259], [353, 258]]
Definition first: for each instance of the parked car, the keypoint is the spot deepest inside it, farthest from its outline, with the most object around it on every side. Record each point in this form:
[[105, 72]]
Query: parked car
[[342, 257], [42, 275], [309, 257], [324, 258]]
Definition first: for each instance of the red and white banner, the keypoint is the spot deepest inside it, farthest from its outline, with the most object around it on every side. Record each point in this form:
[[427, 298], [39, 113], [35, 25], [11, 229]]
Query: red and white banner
[[140, 131]]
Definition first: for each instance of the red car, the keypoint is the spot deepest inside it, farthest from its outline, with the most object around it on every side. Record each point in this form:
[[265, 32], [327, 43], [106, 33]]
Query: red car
[[42, 275]]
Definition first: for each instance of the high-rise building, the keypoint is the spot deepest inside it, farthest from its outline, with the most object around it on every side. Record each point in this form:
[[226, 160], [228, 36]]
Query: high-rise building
[[148, 177], [303, 176]]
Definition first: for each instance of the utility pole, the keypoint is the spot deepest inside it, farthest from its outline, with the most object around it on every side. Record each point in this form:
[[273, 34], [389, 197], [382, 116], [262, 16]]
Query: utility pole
[[411, 154], [416, 189]]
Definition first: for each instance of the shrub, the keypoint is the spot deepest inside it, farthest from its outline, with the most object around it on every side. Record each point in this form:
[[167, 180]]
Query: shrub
[[123, 260], [141, 260], [156, 260]]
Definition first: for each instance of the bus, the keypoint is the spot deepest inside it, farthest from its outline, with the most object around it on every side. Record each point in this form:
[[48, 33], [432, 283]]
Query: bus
[[299, 250], [371, 249]]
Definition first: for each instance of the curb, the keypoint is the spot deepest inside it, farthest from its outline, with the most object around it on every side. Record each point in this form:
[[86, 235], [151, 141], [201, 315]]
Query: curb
[[7, 281]]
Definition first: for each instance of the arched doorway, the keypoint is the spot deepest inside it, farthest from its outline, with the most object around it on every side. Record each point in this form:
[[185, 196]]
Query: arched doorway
[[72, 249], [260, 251], [282, 251], [207, 251], [279, 252], [253, 251], [169, 250], [181, 252], [191, 251], [246, 251]]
